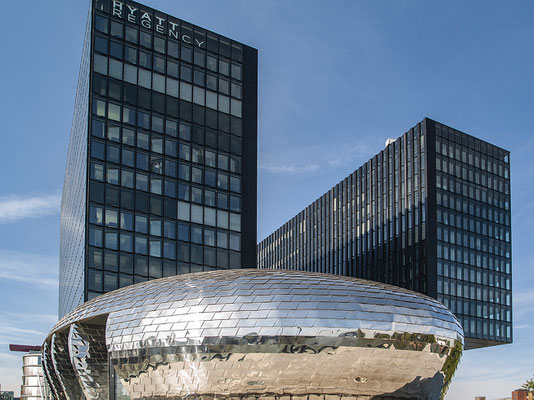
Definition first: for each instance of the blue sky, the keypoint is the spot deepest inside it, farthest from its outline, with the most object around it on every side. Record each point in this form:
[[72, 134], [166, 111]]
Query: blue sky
[[336, 79]]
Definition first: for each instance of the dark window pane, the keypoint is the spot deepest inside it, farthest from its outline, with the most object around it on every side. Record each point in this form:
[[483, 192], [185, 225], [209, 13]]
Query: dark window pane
[[101, 44], [117, 29], [145, 39], [101, 24], [116, 49]]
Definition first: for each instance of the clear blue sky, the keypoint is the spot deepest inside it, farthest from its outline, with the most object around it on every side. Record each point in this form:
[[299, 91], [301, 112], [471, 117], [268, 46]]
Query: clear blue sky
[[335, 80]]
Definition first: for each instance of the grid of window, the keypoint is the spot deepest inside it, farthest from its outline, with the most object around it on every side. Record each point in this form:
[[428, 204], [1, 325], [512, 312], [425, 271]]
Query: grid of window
[[165, 148], [473, 233], [371, 225], [450, 240]]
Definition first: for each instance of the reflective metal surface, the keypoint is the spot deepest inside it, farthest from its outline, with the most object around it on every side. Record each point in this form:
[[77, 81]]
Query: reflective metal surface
[[242, 333], [89, 356], [63, 366], [49, 372]]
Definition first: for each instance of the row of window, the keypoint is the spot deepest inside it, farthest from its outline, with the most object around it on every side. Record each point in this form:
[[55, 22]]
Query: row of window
[[140, 119], [212, 42], [169, 86], [159, 249], [456, 288], [154, 182], [472, 158], [160, 145], [473, 208], [491, 312], [470, 241], [99, 282], [454, 253], [155, 247], [471, 191], [470, 224], [462, 176], [472, 274], [147, 59], [155, 226]]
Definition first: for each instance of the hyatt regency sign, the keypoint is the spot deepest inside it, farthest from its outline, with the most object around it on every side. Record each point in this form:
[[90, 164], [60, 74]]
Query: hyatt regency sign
[[160, 23]]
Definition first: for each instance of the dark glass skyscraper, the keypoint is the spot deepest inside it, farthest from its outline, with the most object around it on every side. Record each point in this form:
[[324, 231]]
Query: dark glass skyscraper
[[161, 169], [431, 213]]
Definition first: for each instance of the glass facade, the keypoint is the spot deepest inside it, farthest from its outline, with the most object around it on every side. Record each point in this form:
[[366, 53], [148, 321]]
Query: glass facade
[[430, 213], [73, 203], [474, 234], [168, 147]]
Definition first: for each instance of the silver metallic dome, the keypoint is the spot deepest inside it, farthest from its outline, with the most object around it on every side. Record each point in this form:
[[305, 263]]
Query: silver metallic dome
[[256, 333]]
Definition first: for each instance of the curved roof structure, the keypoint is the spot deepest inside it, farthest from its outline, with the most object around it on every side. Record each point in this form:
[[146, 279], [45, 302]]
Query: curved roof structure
[[237, 332]]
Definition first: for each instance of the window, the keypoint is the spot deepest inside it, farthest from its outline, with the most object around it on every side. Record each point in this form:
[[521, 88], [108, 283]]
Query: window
[[183, 232], [127, 221], [185, 132], [222, 181], [111, 240], [172, 69], [186, 73], [130, 54], [222, 219], [172, 87], [126, 242], [224, 104], [145, 39], [169, 229], [114, 112], [211, 63], [236, 71], [173, 48], [115, 68], [140, 245], [235, 222], [101, 24], [236, 108], [145, 78], [96, 215], [197, 214], [186, 92], [235, 184], [131, 34], [224, 67], [97, 149], [158, 83], [209, 237], [95, 237], [209, 198], [100, 64], [141, 182], [222, 239], [116, 49], [97, 171], [130, 74], [101, 44], [183, 211], [210, 216], [117, 29], [235, 242], [196, 234]]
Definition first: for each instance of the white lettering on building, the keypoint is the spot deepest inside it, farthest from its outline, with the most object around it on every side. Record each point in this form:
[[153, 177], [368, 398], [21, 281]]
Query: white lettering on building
[[117, 8]]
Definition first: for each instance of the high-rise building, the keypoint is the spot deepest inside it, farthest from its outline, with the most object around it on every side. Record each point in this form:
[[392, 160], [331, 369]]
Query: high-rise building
[[431, 213], [162, 161]]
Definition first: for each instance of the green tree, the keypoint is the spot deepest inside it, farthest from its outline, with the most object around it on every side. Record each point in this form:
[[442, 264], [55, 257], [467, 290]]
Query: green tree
[[528, 385]]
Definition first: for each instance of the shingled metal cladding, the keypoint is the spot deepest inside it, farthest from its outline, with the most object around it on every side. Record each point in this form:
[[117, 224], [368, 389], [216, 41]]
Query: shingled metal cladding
[[89, 356], [252, 333]]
